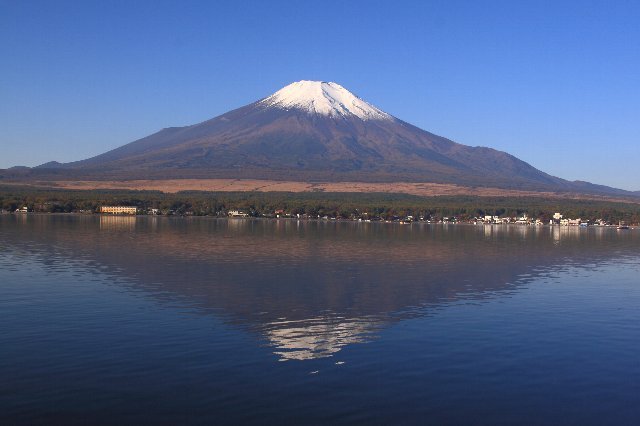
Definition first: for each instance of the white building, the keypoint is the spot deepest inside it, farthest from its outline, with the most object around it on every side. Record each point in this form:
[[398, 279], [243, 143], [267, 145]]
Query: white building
[[118, 210], [237, 213]]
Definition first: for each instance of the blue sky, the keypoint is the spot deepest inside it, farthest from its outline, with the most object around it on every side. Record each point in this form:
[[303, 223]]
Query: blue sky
[[556, 83]]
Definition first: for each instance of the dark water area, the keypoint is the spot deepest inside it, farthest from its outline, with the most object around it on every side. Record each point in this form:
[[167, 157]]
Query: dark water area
[[129, 320]]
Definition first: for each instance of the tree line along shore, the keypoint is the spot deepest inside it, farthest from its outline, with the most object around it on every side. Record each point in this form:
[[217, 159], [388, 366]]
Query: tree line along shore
[[372, 206]]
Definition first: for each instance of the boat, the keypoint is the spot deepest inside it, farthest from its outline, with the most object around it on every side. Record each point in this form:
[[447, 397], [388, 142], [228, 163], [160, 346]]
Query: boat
[[622, 225]]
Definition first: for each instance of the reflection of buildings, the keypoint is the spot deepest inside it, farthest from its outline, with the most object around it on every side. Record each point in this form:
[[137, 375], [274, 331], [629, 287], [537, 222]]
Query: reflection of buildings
[[577, 233], [117, 223], [237, 224], [21, 218]]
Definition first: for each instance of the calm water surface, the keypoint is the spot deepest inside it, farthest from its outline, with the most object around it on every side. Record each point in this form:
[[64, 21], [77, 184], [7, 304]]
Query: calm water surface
[[108, 320]]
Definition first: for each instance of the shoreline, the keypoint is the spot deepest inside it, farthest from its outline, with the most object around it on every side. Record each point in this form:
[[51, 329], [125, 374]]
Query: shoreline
[[319, 220]]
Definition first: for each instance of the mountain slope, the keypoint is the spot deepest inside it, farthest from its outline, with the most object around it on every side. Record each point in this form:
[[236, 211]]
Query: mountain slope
[[311, 130]]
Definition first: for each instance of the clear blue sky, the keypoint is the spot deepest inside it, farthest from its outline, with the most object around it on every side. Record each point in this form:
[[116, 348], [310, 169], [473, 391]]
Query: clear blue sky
[[556, 83]]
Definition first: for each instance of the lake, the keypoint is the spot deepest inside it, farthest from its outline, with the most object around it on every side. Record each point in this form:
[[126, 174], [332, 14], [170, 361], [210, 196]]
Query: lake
[[111, 320]]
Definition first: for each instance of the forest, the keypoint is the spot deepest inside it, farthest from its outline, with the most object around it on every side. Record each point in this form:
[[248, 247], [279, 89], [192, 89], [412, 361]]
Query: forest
[[382, 206]]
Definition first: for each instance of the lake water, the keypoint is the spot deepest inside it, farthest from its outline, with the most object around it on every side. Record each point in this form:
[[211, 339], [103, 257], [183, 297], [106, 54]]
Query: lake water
[[112, 320]]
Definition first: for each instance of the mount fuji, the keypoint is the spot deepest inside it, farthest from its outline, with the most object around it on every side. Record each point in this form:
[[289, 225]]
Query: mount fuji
[[311, 131]]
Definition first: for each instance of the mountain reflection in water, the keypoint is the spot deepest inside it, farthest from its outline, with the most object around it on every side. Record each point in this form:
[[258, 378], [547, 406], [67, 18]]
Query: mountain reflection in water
[[308, 289]]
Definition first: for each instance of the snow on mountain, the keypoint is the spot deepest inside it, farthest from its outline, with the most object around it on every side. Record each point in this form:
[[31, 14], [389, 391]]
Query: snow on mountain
[[325, 98]]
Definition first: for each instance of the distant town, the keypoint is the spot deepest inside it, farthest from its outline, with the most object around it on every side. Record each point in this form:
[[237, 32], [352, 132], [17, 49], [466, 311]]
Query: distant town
[[365, 207], [556, 219]]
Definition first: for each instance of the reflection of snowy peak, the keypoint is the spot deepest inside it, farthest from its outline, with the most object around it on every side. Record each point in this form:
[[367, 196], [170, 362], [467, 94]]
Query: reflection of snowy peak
[[325, 98], [318, 337]]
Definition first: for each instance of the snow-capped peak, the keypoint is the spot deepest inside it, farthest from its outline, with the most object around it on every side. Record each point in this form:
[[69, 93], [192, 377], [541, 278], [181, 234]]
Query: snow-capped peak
[[325, 98]]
